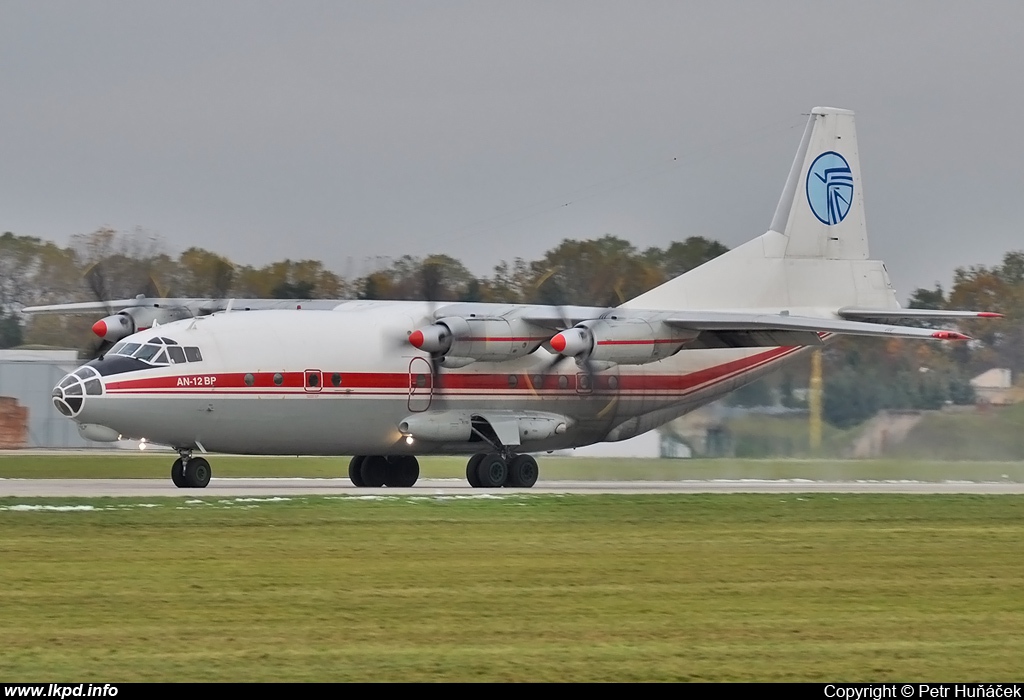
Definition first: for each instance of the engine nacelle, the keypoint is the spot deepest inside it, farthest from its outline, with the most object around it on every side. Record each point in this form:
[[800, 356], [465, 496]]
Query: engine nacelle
[[113, 328], [478, 339], [621, 341], [136, 318]]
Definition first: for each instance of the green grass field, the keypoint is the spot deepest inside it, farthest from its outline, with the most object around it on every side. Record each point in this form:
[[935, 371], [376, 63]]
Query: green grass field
[[525, 588], [131, 465]]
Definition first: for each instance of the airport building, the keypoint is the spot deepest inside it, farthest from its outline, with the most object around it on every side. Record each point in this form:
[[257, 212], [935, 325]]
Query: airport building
[[27, 416]]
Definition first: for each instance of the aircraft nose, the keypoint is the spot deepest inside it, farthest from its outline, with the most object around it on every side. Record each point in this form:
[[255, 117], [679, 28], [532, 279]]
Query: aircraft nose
[[70, 393]]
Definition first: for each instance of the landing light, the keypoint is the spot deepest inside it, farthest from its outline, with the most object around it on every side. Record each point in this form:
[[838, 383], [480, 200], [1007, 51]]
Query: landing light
[[408, 439], [142, 444]]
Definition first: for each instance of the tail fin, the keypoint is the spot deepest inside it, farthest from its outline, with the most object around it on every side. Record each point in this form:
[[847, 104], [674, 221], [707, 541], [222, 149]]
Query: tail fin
[[821, 211], [814, 255]]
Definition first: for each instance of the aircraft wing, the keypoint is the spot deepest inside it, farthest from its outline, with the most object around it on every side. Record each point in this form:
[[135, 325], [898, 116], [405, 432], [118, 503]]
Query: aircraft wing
[[195, 306], [741, 329], [555, 317], [852, 313], [84, 307]]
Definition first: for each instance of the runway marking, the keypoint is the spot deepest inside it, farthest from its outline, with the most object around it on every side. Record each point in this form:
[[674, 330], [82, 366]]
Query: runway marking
[[265, 489]]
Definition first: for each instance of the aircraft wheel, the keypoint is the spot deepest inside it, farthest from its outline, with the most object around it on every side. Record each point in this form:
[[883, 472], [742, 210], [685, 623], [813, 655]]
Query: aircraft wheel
[[402, 471], [178, 473], [197, 473], [522, 472], [492, 471], [373, 471], [354, 473], [471, 475]]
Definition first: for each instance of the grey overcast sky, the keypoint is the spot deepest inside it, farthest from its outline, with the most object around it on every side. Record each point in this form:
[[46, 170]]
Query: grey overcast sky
[[344, 131]]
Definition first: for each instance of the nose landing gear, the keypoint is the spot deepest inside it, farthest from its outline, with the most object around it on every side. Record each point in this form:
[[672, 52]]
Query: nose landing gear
[[190, 472]]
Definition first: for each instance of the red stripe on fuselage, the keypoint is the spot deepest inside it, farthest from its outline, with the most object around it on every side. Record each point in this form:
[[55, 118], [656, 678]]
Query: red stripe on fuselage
[[397, 382]]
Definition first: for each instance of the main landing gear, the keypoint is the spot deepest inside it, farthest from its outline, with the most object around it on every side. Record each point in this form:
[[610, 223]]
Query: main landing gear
[[378, 470], [484, 470], [493, 470], [190, 472]]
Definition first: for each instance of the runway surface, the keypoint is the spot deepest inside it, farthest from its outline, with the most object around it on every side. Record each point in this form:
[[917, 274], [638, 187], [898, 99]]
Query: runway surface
[[455, 487]]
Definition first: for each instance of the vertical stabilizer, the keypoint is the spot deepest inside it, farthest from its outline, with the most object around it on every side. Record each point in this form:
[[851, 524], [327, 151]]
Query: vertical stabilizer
[[821, 212], [815, 253]]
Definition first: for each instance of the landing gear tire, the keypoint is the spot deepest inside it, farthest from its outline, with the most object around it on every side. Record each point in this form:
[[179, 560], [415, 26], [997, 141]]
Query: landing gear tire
[[471, 475], [401, 471], [178, 473], [354, 470], [492, 471], [373, 471], [197, 473], [522, 472]]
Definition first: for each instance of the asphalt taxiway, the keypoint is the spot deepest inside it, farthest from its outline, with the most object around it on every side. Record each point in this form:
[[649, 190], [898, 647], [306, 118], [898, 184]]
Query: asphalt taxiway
[[454, 487]]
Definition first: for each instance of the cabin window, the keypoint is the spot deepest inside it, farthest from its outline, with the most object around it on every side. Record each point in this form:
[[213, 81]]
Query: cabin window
[[93, 387], [312, 379], [116, 350], [336, 379], [563, 382], [192, 354], [513, 381], [128, 349], [177, 354], [249, 379], [161, 359], [278, 379]]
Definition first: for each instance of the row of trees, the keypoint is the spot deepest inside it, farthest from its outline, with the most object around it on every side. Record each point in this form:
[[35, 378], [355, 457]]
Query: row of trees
[[107, 264], [861, 375]]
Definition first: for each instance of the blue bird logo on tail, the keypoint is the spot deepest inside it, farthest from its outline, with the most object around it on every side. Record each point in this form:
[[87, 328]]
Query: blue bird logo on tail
[[830, 188]]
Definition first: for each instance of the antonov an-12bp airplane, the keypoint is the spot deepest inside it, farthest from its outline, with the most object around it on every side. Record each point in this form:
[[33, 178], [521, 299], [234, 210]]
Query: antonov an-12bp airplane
[[388, 380]]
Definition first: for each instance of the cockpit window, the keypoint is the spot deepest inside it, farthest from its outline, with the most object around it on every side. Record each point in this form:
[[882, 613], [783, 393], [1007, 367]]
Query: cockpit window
[[146, 352], [158, 351]]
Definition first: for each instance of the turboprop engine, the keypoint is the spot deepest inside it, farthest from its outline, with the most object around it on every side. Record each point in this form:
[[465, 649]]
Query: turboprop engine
[[621, 341], [121, 325], [457, 341]]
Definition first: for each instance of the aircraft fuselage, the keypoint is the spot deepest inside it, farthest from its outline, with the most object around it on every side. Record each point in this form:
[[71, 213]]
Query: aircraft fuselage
[[342, 381]]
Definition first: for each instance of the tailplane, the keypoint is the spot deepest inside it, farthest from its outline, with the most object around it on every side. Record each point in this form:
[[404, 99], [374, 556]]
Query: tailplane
[[815, 253]]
